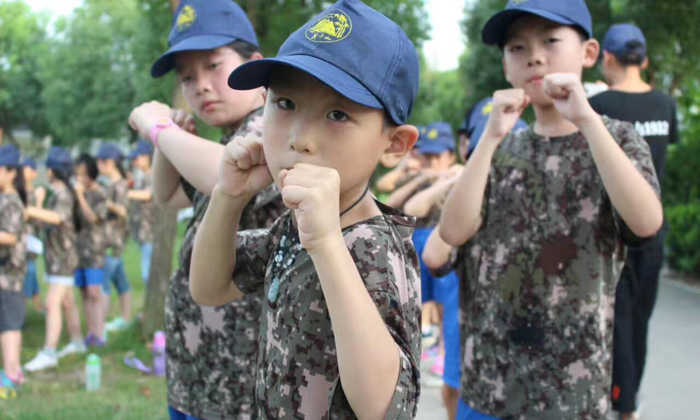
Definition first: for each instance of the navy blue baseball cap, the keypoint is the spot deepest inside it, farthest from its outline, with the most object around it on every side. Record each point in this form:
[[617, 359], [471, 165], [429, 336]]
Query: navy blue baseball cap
[[565, 12], [355, 50], [438, 139], [59, 158], [142, 148], [625, 39], [29, 163], [422, 131], [204, 25], [109, 152], [9, 155]]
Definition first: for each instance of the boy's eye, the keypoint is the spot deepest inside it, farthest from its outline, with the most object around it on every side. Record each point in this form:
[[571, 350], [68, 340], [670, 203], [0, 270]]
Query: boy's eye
[[286, 104], [552, 40], [338, 116], [516, 48], [214, 65], [185, 79]]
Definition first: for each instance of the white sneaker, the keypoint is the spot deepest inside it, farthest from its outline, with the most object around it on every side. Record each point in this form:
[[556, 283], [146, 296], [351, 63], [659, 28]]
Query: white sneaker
[[72, 348], [43, 360]]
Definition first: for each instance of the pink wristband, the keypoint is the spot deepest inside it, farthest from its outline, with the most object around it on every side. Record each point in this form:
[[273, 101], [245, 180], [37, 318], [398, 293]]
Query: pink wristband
[[163, 125]]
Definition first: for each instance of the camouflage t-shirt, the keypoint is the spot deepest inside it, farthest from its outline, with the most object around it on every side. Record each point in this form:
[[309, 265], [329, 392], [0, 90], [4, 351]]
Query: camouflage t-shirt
[[32, 227], [141, 212], [59, 240], [297, 372], [92, 242], [211, 351], [12, 258], [538, 280], [116, 229]]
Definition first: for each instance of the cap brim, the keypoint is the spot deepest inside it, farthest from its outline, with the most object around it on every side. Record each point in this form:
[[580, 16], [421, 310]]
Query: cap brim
[[433, 149], [166, 62], [256, 73], [494, 32]]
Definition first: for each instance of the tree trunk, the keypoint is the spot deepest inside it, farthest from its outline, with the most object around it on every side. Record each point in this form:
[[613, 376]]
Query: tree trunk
[[164, 232]]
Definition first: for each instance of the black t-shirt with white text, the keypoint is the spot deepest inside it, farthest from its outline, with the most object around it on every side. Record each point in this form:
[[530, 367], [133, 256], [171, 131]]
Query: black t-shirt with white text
[[652, 113]]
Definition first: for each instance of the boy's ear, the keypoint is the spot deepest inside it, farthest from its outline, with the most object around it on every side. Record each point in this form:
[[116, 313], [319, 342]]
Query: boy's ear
[[256, 56], [402, 139], [645, 63], [591, 52]]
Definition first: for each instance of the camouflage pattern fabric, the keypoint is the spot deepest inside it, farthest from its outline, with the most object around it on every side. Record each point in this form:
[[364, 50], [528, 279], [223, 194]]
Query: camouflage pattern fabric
[[297, 372], [116, 229], [92, 242], [12, 258], [538, 280], [60, 240], [211, 351], [32, 227], [141, 212]]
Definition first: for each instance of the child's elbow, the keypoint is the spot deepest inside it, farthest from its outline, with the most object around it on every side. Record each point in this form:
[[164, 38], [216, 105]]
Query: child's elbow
[[650, 226], [433, 260]]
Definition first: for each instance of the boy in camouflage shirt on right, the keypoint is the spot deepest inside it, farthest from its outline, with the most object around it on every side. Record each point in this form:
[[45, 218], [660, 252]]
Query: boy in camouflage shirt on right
[[542, 218]]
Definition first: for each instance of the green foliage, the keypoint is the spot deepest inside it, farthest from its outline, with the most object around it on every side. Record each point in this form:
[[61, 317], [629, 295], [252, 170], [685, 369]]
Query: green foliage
[[440, 98], [21, 46], [683, 242]]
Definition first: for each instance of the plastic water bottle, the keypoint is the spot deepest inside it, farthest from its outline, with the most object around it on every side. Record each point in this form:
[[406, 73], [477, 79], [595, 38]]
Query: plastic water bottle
[[93, 373], [159, 353]]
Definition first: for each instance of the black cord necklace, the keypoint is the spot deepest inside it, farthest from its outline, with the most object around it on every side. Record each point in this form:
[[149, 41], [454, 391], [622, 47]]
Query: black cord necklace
[[288, 250]]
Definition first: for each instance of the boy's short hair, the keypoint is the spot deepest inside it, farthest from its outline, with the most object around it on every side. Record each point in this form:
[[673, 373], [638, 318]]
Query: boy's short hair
[[573, 13], [244, 48], [356, 51]]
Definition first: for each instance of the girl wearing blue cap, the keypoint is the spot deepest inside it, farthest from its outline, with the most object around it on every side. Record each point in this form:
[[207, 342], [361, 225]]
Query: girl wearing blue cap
[[35, 197], [91, 241], [210, 352], [12, 268], [109, 163], [61, 218]]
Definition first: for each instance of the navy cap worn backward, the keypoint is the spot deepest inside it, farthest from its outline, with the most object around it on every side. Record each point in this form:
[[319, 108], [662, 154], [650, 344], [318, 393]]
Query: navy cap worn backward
[[619, 36], [355, 50], [565, 12], [204, 25], [9, 155], [59, 158], [438, 139]]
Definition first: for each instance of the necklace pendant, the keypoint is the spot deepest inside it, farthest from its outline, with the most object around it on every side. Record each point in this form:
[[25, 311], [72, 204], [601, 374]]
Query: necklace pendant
[[273, 293]]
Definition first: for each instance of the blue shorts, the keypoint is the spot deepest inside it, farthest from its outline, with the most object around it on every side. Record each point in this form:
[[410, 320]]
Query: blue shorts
[[431, 288], [85, 277], [114, 273], [464, 412], [176, 415], [31, 281], [450, 330]]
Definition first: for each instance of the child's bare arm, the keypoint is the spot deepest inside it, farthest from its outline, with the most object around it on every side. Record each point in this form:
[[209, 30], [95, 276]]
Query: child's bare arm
[[398, 198], [242, 174], [368, 356], [214, 253], [630, 193], [8, 239], [420, 204], [461, 217], [437, 252], [85, 208], [178, 147], [45, 216]]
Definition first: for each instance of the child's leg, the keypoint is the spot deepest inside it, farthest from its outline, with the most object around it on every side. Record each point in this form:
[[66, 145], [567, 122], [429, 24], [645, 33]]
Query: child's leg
[[94, 296], [124, 290], [450, 397], [11, 348], [72, 317], [110, 268], [54, 301]]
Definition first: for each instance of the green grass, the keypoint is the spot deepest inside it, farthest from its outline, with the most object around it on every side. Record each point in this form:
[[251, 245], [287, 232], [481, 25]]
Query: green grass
[[59, 394]]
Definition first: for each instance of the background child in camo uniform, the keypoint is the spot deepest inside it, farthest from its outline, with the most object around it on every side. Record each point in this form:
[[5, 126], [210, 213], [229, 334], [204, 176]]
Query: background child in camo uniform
[[35, 197], [12, 268], [60, 219], [141, 204]]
